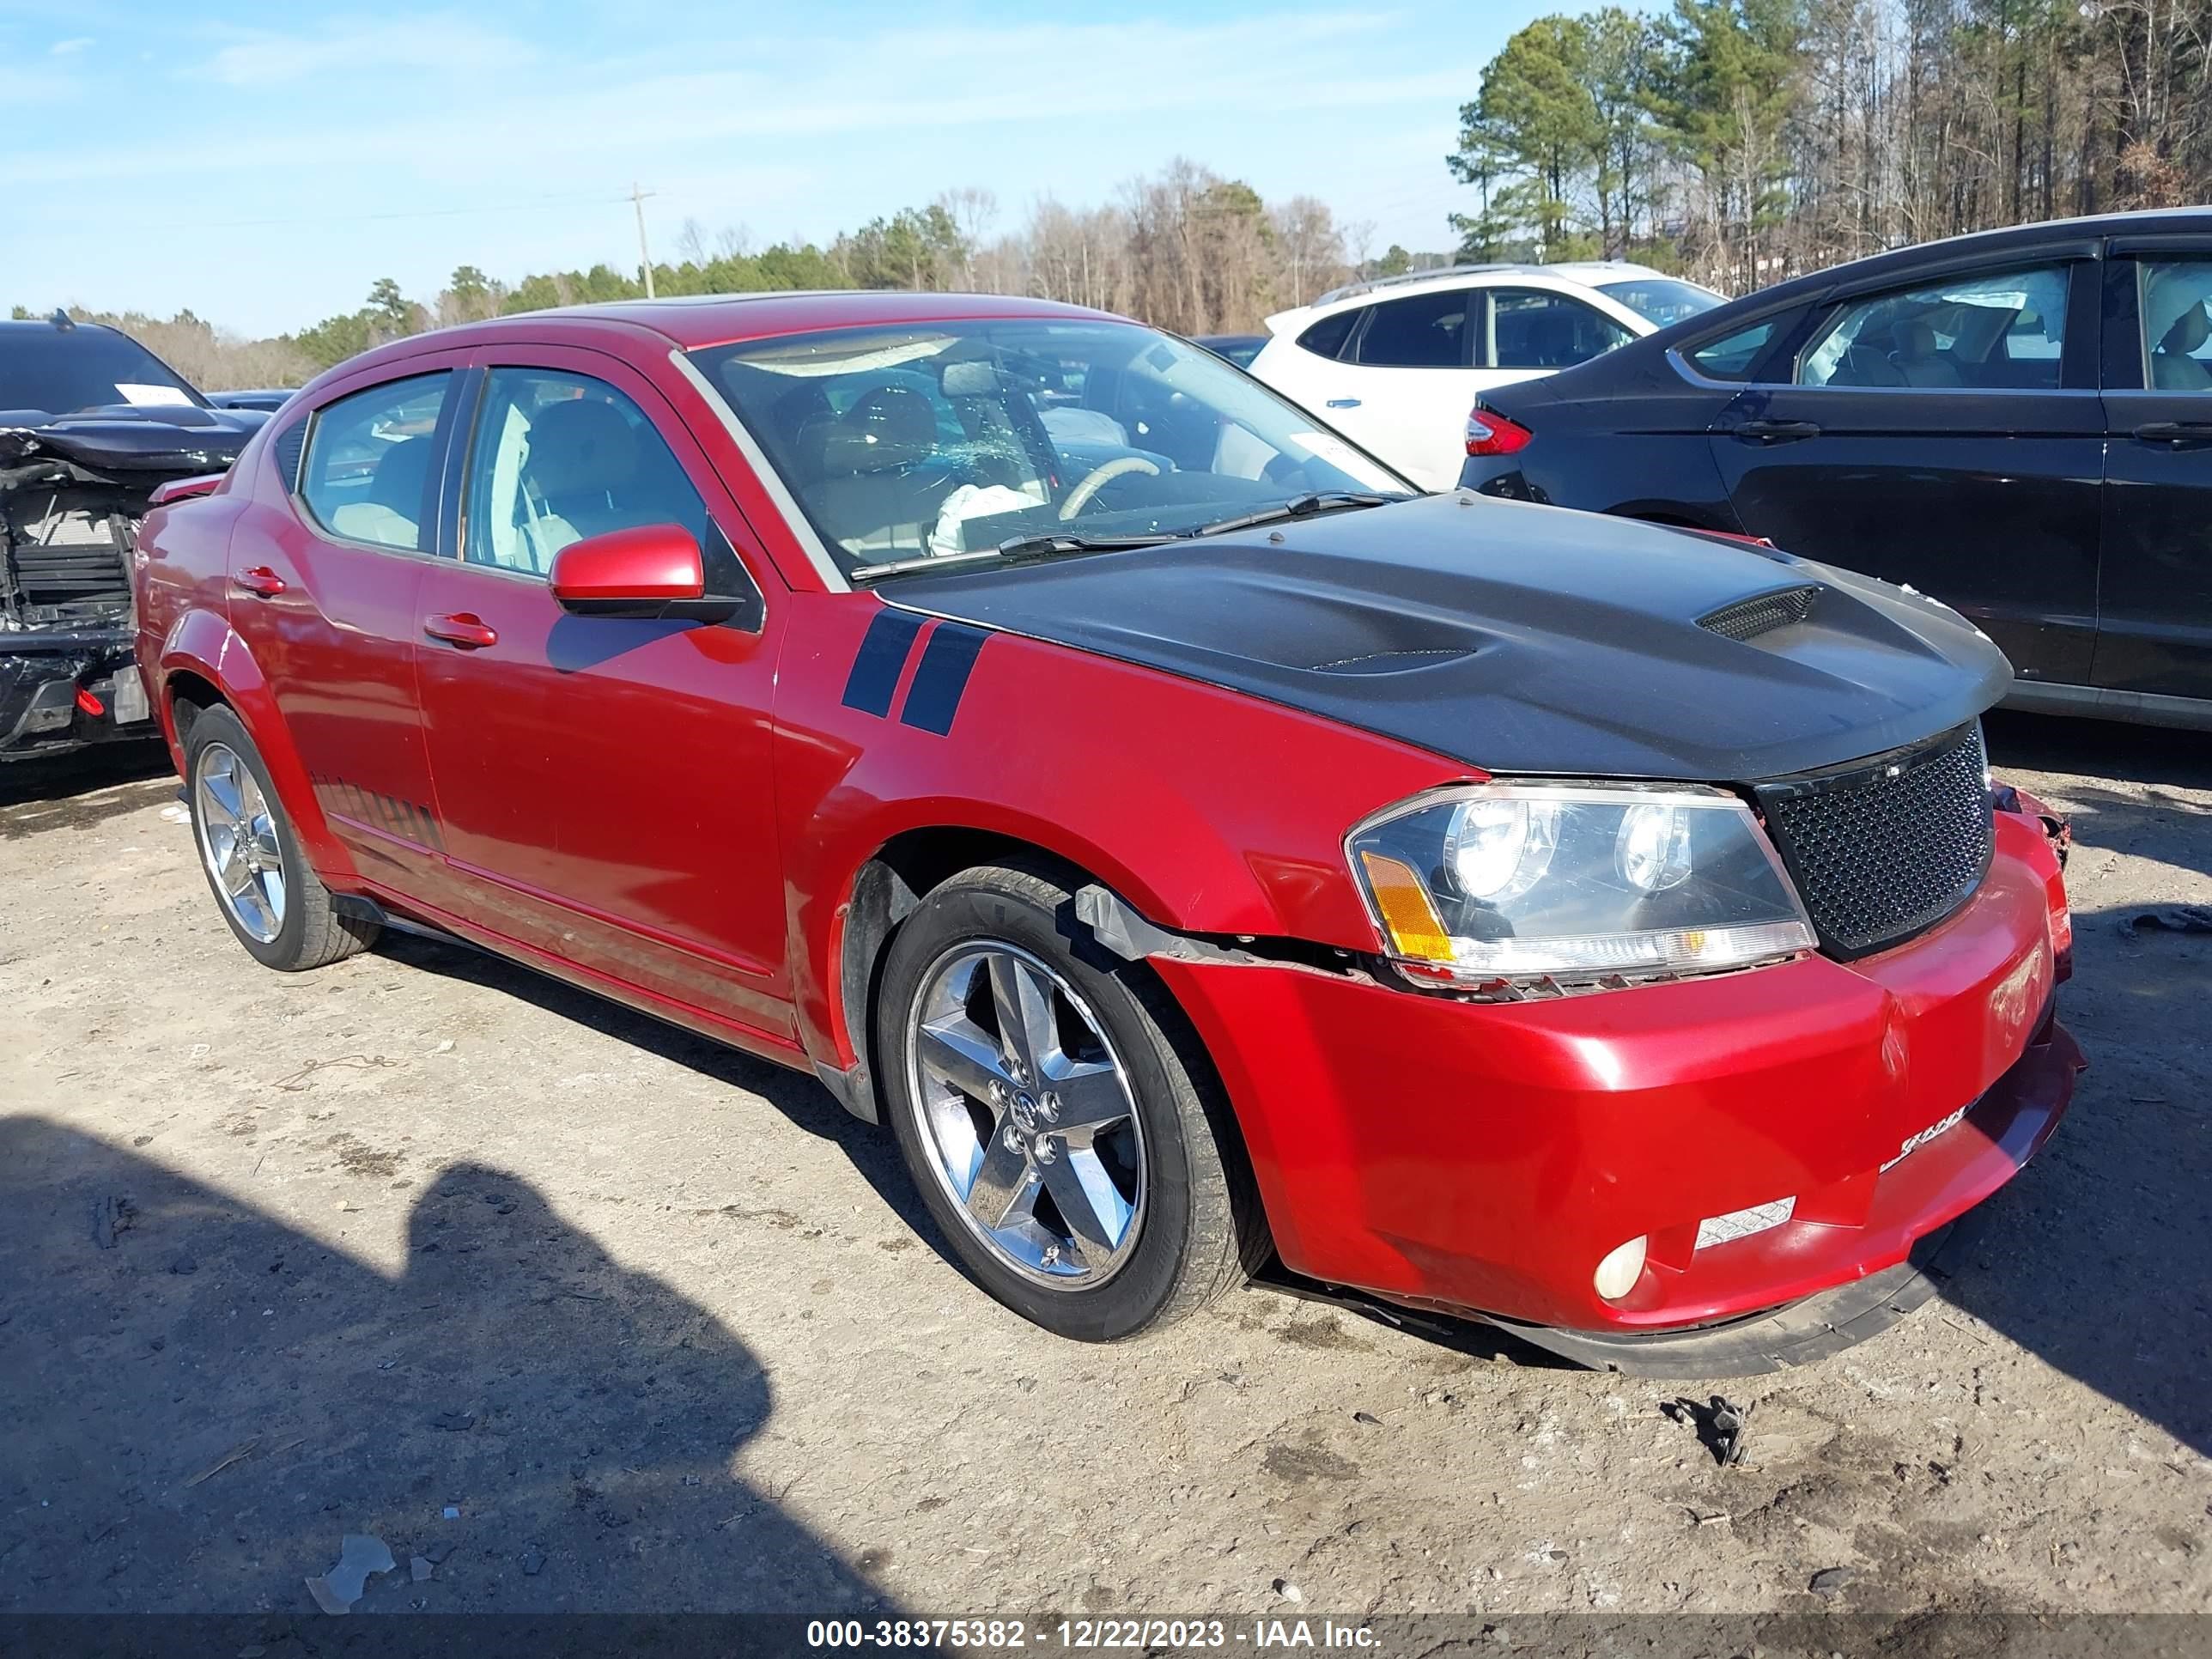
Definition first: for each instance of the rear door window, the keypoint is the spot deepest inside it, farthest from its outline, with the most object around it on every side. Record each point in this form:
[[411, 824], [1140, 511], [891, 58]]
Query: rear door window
[[1425, 331], [366, 477]]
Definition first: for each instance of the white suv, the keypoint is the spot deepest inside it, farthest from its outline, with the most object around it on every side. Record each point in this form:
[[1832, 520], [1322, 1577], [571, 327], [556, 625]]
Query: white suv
[[1395, 364]]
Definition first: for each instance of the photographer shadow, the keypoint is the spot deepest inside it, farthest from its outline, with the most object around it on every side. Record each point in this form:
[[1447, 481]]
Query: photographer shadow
[[200, 1399]]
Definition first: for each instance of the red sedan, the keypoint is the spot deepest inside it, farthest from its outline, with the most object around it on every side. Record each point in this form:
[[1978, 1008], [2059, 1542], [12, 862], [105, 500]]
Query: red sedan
[[1198, 848]]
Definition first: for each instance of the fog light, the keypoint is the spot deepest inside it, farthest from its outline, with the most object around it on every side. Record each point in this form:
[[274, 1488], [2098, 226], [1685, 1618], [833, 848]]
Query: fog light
[[1617, 1275]]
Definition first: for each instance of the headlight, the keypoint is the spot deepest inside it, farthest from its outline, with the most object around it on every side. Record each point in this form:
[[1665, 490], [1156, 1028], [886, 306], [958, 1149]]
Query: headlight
[[1504, 881]]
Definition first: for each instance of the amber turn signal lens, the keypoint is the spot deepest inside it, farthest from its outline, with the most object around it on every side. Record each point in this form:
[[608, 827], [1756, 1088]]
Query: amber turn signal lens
[[1408, 916]]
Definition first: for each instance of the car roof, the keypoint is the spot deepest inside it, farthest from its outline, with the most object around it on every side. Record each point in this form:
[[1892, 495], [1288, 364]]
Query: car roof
[[1973, 245], [20, 325], [689, 322], [1587, 272]]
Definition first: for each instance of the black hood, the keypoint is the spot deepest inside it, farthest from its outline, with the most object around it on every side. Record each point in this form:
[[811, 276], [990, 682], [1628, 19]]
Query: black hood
[[172, 440], [1518, 639]]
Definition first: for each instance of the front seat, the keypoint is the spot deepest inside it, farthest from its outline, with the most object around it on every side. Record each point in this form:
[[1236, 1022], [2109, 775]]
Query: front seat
[[582, 462], [2172, 367], [1919, 358], [875, 467]]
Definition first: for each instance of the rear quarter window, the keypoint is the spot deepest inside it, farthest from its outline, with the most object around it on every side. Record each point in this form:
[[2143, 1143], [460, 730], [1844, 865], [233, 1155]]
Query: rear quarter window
[[1732, 356], [1326, 338]]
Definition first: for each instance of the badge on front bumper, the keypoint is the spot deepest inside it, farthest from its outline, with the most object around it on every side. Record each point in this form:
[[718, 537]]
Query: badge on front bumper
[[1914, 1143]]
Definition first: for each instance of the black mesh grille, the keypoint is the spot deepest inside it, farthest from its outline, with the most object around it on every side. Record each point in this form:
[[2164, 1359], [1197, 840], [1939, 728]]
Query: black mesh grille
[[1762, 613], [1885, 848]]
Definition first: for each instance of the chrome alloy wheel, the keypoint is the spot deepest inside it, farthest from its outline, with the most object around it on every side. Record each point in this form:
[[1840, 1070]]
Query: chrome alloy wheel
[[238, 842], [1026, 1115]]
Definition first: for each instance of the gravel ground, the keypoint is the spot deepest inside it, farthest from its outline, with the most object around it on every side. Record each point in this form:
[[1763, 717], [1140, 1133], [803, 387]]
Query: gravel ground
[[588, 1314]]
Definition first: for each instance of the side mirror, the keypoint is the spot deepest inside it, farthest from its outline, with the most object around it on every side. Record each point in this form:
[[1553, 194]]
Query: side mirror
[[640, 572]]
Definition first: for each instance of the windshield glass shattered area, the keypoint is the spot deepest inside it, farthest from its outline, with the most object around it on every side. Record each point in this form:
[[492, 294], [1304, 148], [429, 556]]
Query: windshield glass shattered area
[[63, 371], [943, 440]]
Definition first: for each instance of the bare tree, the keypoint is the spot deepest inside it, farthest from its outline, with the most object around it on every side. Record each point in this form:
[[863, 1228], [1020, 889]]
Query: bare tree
[[971, 209]]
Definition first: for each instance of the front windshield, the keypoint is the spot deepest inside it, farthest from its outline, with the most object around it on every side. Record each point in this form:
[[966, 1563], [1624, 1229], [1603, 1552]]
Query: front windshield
[[60, 371], [944, 439], [1660, 300]]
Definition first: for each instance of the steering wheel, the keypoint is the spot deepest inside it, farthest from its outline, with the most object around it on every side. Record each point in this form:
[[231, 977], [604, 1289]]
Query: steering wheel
[[1099, 475]]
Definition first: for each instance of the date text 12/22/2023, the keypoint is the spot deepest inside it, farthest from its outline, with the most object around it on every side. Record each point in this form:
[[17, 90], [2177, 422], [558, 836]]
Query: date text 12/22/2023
[[1085, 1635]]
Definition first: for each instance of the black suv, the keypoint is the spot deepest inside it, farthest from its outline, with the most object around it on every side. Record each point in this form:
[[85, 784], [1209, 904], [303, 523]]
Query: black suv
[[91, 423]]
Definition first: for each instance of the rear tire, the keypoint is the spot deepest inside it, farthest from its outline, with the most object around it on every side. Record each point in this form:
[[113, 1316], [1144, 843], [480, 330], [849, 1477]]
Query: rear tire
[[276, 904], [1077, 1171]]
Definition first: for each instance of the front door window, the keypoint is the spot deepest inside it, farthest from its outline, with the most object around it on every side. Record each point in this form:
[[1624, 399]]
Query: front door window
[[2175, 302], [2005, 331]]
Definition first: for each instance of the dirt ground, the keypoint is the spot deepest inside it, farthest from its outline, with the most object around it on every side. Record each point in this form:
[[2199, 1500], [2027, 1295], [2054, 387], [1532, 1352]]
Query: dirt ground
[[589, 1314]]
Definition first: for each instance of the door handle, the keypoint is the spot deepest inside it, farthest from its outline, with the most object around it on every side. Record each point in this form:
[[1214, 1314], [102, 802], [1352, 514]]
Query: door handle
[[259, 580], [2176, 432], [468, 632], [1775, 432], [1344, 403]]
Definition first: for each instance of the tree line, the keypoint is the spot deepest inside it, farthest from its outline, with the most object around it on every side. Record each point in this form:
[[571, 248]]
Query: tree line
[[1738, 142], [1188, 249], [1744, 140]]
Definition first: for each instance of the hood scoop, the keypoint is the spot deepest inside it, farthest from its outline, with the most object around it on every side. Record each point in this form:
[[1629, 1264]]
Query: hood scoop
[[1518, 639], [1762, 613]]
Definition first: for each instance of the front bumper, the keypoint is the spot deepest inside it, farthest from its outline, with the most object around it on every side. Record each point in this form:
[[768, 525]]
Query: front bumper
[[1485, 1157], [48, 678]]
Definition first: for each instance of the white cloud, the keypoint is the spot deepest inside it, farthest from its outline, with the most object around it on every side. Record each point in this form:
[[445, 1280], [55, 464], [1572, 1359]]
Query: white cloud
[[71, 46], [355, 49]]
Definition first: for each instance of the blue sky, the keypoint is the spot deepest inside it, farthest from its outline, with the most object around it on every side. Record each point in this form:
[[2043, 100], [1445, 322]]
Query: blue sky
[[263, 164]]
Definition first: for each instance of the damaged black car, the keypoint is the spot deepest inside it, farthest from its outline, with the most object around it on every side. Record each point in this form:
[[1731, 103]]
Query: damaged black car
[[91, 424]]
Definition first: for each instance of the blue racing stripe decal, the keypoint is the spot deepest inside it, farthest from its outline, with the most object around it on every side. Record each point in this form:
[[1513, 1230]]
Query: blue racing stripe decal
[[883, 653], [934, 697]]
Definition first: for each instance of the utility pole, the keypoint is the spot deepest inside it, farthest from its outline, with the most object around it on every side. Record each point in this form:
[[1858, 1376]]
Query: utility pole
[[644, 255]]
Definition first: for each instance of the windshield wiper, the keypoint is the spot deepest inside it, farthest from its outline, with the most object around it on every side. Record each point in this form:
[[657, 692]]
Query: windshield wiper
[[1019, 549], [1302, 507], [1031, 550], [1016, 549]]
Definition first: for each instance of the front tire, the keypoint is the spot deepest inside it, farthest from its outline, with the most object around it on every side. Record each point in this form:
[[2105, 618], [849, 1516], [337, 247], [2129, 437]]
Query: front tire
[[1053, 1125], [276, 904]]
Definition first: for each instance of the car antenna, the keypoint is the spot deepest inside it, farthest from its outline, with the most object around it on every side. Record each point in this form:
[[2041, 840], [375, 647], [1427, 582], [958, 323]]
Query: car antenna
[[62, 319]]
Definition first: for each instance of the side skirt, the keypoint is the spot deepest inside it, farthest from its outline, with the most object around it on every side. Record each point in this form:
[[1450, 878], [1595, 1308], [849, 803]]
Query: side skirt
[[757, 1043], [2101, 702]]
